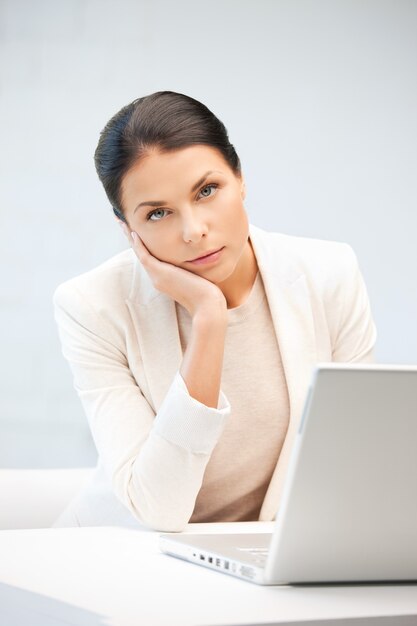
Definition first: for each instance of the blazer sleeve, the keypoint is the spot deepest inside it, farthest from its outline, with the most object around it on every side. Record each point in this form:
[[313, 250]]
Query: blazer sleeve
[[355, 332], [156, 462]]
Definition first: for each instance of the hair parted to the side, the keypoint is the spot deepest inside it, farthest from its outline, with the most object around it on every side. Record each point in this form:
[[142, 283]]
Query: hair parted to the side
[[164, 120]]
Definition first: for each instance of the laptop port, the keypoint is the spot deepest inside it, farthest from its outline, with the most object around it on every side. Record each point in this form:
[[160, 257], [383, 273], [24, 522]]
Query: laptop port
[[202, 557], [218, 562], [210, 559], [226, 565]]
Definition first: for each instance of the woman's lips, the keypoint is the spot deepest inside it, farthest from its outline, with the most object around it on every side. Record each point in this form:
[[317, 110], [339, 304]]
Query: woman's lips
[[209, 258]]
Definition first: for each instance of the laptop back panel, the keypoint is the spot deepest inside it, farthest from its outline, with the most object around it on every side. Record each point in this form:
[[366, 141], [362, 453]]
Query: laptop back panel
[[349, 506]]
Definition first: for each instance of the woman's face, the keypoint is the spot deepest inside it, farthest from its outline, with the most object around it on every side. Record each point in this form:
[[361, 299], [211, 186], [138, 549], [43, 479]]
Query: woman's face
[[185, 204]]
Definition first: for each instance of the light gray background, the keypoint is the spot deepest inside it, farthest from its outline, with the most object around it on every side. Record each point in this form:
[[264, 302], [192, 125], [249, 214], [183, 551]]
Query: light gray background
[[320, 100]]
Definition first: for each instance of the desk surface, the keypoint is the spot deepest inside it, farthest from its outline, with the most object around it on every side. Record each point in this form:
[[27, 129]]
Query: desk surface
[[117, 576]]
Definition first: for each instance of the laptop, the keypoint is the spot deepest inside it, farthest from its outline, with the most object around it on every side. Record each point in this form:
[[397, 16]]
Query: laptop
[[348, 510]]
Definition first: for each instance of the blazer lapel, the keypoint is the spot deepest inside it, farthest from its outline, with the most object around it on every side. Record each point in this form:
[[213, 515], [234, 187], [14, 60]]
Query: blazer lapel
[[154, 317], [291, 313]]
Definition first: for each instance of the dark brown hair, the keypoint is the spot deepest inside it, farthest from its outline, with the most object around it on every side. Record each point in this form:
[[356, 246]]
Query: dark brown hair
[[164, 120]]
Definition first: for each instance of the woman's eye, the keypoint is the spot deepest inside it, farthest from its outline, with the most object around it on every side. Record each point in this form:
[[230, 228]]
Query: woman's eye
[[152, 213], [158, 214], [207, 195]]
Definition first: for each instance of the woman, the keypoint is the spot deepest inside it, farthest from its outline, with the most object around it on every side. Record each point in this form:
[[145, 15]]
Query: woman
[[192, 351]]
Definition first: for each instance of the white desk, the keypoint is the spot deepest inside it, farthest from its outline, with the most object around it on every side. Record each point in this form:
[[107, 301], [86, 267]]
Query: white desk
[[117, 576]]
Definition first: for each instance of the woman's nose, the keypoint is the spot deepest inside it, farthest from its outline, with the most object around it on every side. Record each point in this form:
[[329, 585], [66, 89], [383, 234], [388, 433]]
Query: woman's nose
[[193, 228]]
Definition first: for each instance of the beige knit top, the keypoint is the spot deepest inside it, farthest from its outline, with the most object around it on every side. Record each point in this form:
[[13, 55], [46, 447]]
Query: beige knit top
[[242, 463]]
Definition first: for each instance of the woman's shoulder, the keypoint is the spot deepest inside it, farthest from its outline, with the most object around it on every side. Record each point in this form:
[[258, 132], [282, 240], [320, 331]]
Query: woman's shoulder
[[110, 280], [294, 253]]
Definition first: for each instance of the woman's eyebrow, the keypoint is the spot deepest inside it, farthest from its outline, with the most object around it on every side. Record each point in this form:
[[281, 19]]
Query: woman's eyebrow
[[194, 188]]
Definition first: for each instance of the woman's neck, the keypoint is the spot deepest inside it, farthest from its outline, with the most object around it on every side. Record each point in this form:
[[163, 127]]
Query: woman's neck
[[238, 286]]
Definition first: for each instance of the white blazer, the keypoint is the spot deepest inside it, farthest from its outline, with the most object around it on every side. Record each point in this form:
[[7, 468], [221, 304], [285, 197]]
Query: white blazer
[[120, 337]]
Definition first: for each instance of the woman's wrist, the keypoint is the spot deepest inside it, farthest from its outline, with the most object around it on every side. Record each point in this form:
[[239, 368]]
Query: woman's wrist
[[213, 314]]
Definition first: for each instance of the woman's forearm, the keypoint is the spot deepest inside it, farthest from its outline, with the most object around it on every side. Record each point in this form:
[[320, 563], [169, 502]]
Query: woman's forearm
[[202, 364]]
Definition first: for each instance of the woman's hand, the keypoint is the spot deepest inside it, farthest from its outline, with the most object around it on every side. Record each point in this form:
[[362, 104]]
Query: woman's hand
[[195, 293]]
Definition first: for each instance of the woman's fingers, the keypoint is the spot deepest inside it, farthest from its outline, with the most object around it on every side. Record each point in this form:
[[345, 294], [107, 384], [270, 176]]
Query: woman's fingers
[[141, 251], [137, 244], [131, 236]]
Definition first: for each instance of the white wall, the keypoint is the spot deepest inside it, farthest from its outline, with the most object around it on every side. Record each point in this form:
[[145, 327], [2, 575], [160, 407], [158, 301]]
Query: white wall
[[320, 100]]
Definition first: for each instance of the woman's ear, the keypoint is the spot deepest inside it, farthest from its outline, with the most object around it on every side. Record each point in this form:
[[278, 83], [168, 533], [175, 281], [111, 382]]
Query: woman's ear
[[123, 227], [120, 221], [243, 189]]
